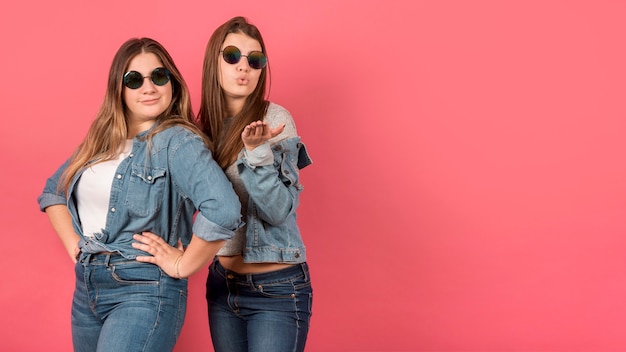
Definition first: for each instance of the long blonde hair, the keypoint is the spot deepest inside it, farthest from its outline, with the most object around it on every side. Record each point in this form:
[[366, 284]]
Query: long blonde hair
[[213, 104], [109, 130]]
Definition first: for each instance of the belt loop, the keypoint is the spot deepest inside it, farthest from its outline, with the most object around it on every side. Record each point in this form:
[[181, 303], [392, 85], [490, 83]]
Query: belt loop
[[250, 280], [107, 259], [85, 257], [305, 270]]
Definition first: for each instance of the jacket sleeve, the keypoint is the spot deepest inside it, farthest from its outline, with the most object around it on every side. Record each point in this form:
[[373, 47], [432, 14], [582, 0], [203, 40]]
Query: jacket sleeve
[[275, 188], [51, 194], [197, 176]]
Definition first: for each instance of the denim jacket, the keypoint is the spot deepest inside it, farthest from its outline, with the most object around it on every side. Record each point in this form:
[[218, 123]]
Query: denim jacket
[[272, 234], [158, 190]]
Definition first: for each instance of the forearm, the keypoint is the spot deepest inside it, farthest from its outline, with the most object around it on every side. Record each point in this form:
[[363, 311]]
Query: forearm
[[274, 199], [271, 177], [61, 221], [197, 255]]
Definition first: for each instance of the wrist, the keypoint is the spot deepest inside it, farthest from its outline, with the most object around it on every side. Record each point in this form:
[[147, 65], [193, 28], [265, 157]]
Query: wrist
[[261, 155], [177, 266]]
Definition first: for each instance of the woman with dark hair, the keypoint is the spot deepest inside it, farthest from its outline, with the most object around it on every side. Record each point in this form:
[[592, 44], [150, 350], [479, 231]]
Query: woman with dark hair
[[143, 166], [259, 289]]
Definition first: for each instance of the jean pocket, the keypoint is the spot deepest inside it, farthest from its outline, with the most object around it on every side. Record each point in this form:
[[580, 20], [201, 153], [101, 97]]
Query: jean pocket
[[289, 289], [136, 274]]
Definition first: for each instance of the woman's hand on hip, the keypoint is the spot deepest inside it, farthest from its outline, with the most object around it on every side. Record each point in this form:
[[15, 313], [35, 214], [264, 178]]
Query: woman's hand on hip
[[162, 253]]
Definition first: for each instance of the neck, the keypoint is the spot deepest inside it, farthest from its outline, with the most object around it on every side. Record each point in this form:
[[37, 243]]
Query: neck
[[234, 106], [136, 128]]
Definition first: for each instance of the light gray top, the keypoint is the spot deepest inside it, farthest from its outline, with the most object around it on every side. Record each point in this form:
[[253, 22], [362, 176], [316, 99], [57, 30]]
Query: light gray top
[[276, 115]]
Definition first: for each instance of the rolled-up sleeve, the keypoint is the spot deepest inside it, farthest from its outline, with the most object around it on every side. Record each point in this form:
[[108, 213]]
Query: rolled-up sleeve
[[210, 231], [51, 194], [198, 176]]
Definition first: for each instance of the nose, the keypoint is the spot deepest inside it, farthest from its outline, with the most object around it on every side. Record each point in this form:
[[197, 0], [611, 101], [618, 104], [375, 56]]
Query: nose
[[149, 86], [243, 65]]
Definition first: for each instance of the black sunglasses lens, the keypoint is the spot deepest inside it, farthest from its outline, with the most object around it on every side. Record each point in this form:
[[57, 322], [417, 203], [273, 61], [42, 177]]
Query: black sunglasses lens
[[257, 60], [160, 76], [133, 79], [231, 54]]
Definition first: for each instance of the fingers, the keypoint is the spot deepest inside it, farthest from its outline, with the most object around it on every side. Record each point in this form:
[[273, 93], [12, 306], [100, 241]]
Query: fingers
[[150, 239], [160, 252], [148, 242], [256, 128], [276, 131], [143, 247], [154, 245], [146, 259]]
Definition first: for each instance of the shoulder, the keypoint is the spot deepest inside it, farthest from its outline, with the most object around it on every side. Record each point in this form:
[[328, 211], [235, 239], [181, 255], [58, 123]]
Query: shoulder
[[274, 108], [277, 115], [174, 136], [176, 132]]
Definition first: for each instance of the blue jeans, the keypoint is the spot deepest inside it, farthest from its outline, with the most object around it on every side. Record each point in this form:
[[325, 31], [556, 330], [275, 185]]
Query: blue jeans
[[268, 312], [124, 305]]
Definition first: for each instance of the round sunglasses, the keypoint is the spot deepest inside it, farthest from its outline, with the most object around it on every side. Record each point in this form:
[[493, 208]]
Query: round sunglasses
[[159, 76], [256, 59]]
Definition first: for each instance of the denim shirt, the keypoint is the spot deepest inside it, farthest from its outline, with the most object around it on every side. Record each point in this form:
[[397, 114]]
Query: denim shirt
[[158, 189], [272, 234]]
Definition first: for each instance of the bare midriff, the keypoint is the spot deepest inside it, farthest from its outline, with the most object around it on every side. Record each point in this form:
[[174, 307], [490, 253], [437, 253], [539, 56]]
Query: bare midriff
[[235, 263]]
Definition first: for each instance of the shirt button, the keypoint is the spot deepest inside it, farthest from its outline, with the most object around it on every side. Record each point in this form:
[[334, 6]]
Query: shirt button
[[119, 176], [112, 210], [297, 255], [149, 178], [131, 155]]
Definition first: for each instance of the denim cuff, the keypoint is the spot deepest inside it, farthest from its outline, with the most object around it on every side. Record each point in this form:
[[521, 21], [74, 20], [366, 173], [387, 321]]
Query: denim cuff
[[48, 199], [210, 231]]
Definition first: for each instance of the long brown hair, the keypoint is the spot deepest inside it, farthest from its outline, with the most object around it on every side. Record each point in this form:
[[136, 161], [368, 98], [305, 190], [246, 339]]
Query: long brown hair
[[109, 130], [213, 103]]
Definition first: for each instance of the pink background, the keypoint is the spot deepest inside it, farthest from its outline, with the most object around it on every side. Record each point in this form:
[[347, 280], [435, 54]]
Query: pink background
[[468, 188]]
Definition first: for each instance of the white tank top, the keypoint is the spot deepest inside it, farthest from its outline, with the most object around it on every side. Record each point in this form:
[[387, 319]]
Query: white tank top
[[93, 192]]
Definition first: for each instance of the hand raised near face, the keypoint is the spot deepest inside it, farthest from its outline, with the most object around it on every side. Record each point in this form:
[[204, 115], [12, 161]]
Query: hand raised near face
[[259, 132]]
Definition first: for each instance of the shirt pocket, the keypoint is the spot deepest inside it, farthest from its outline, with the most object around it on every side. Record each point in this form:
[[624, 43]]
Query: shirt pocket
[[146, 190]]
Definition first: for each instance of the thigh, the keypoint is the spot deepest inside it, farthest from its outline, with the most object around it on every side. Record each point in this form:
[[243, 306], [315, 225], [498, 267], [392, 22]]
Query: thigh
[[260, 312], [279, 318], [138, 327], [141, 307], [85, 325], [228, 329], [278, 310]]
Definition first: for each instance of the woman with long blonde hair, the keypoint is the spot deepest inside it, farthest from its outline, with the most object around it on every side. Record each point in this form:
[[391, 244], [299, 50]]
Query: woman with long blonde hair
[[143, 166]]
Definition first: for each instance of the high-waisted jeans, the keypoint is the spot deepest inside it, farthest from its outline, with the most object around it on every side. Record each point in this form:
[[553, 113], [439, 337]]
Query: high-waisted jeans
[[125, 305], [268, 312]]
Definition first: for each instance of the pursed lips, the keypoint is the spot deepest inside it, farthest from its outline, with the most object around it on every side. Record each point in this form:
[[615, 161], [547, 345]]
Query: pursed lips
[[242, 80]]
